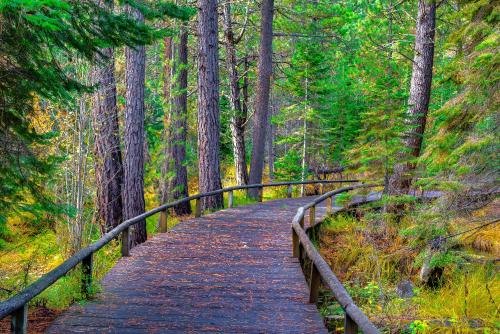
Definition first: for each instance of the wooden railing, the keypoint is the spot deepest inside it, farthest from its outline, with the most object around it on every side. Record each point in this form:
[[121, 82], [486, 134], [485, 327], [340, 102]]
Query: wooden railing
[[320, 270], [17, 306]]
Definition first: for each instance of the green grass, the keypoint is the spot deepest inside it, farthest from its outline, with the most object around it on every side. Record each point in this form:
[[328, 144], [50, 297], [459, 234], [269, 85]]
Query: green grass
[[372, 256]]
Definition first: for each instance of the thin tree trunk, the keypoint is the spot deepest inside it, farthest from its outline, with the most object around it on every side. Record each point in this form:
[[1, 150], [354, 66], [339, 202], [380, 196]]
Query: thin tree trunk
[[390, 41], [245, 86], [388, 102], [177, 185], [238, 118], [260, 117], [420, 92], [108, 159], [167, 102], [304, 142], [270, 144], [133, 190], [208, 104]]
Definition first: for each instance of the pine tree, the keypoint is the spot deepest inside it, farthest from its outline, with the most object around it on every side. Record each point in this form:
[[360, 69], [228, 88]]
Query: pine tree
[[37, 38], [462, 152], [208, 105], [260, 117]]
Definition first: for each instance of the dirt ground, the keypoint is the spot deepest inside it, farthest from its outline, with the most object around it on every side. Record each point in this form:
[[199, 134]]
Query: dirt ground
[[39, 318]]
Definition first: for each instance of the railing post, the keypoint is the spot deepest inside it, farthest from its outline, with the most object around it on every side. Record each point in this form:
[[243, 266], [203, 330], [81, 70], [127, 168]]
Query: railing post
[[230, 199], [19, 320], [126, 242], [289, 191], [350, 327], [321, 188], [261, 193], [329, 201], [295, 244], [314, 284], [163, 221], [87, 267], [312, 215], [301, 255], [197, 211]]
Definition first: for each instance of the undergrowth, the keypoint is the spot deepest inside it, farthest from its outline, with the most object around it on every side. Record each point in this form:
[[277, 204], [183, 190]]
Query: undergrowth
[[377, 254], [30, 253]]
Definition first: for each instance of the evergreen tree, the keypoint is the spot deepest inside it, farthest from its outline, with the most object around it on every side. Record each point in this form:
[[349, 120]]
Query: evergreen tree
[[462, 152], [36, 40]]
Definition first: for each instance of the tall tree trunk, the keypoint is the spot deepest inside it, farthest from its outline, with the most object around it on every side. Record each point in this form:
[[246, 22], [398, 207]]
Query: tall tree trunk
[[304, 145], [177, 185], [260, 118], [238, 118], [420, 92], [389, 74], [133, 190], [167, 87], [270, 144], [108, 158], [208, 104], [246, 68]]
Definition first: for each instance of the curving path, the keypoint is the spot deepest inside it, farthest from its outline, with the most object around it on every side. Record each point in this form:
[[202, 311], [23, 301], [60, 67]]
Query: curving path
[[227, 272]]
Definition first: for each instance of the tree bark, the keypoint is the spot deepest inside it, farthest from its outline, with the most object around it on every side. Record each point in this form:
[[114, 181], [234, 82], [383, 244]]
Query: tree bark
[[108, 160], [246, 68], [167, 87], [238, 118], [208, 104], [133, 190], [420, 92], [260, 117], [177, 185], [270, 145]]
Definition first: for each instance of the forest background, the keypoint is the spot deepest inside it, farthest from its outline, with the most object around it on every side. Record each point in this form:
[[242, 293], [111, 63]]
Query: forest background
[[111, 108]]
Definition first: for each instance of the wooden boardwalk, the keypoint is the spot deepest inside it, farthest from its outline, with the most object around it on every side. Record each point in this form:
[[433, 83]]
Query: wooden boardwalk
[[227, 272]]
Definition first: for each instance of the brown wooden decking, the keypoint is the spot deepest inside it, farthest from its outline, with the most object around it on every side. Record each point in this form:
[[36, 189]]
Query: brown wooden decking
[[227, 272]]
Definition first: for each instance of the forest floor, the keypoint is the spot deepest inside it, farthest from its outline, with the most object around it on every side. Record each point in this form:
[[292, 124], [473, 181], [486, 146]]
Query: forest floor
[[379, 263], [377, 259], [32, 251], [39, 319]]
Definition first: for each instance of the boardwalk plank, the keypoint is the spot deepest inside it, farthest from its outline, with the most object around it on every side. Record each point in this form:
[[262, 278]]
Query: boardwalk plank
[[226, 272]]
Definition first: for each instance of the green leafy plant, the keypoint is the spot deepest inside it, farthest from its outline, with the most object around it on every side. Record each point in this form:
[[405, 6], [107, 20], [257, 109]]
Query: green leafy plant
[[419, 327], [289, 166]]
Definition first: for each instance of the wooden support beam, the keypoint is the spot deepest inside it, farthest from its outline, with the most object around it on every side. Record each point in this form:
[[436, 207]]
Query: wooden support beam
[[230, 199], [312, 215], [261, 194], [163, 221], [197, 211], [302, 255], [126, 242], [295, 244], [301, 222], [87, 267], [314, 284], [19, 320], [329, 205], [289, 191], [350, 327]]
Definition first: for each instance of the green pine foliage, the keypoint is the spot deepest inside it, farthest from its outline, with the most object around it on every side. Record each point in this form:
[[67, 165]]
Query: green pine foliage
[[319, 82], [37, 40], [384, 70], [288, 167], [465, 140]]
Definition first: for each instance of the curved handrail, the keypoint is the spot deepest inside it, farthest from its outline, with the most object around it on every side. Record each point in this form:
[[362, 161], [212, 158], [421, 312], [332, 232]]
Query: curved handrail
[[320, 270], [17, 305]]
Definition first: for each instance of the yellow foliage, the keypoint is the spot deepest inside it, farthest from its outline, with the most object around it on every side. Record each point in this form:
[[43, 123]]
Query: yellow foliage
[[465, 297]]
